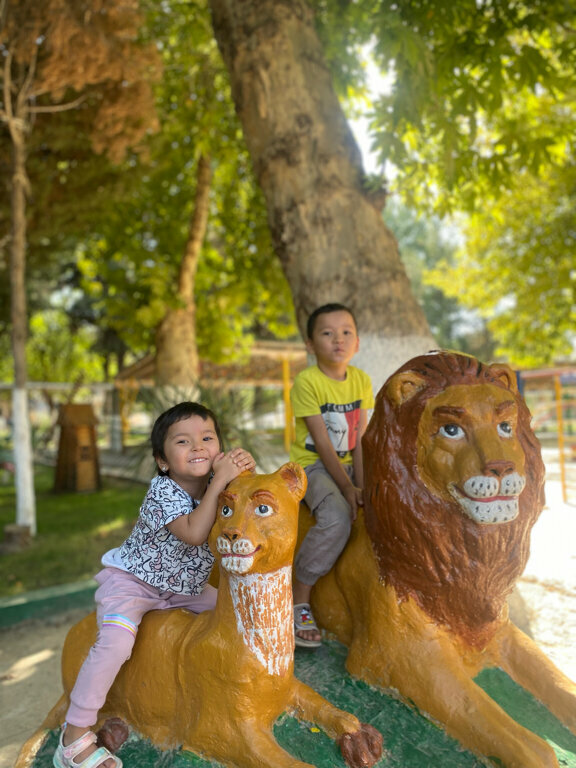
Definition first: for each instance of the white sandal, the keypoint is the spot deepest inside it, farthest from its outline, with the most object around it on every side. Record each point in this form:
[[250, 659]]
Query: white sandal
[[303, 621], [64, 756]]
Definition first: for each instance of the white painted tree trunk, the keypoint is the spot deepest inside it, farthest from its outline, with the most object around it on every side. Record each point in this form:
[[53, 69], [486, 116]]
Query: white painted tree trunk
[[19, 127], [380, 356], [23, 461]]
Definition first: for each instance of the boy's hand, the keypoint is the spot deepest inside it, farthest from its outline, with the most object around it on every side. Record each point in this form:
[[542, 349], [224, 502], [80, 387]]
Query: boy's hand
[[355, 497]]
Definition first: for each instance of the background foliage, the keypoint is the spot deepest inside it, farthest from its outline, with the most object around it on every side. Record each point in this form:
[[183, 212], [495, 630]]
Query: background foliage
[[476, 120]]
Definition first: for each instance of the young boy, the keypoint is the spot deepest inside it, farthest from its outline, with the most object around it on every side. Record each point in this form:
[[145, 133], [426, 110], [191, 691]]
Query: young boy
[[330, 402]]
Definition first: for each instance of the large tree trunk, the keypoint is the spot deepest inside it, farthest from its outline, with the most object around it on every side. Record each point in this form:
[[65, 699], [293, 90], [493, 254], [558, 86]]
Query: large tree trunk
[[25, 498], [176, 349], [329, 236]]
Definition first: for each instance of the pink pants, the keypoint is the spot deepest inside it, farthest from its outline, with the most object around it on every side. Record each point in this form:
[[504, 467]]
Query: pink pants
[[122, 600]]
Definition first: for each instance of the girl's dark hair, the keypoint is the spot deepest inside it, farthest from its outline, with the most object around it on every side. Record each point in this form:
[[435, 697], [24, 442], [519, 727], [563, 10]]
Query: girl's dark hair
[[324, 310], [171, 416]]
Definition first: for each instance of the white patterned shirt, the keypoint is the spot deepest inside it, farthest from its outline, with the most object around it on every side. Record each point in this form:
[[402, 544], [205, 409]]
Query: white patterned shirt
[[152, 553]]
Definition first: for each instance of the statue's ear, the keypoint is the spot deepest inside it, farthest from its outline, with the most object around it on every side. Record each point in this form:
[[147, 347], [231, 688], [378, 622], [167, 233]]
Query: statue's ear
[[295, 479], [505, 374], [403, 386]]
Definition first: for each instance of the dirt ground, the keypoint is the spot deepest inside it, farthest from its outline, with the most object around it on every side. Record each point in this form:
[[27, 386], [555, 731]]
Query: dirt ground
[[544, 605], [29, 678]]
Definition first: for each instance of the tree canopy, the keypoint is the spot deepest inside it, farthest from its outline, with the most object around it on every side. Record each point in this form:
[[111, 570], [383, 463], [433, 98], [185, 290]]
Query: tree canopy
[[480, 91], [429, 247], [130, 264], [478, 116], [117, 230], [518, 270], [77, 78]]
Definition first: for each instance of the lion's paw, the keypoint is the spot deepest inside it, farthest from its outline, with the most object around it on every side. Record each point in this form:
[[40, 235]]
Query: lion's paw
[[362, 748], [113, 734]]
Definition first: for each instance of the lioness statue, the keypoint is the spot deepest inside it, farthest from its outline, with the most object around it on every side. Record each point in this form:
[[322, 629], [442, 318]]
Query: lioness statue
[[215, 683], [453, 486]]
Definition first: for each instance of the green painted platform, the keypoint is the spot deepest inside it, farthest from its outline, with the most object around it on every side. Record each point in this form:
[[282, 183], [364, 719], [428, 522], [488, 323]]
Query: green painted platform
[[42, 603], [410, 740]]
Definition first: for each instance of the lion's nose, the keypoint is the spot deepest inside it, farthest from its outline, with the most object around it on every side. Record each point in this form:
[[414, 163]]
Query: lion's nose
[[499, 468], [231, 534]]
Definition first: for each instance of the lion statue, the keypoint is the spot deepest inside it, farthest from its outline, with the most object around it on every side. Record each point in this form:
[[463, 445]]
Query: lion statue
[[215, 683], [453, 485]]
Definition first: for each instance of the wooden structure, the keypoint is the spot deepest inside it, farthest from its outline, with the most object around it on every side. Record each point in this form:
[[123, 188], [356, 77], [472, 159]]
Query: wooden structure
[[271, 364], [77, 466]]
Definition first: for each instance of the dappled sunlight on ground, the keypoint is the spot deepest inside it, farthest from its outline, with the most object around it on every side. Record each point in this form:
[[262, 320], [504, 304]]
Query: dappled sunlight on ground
[[29, 678], [548, 584], [25, 667]]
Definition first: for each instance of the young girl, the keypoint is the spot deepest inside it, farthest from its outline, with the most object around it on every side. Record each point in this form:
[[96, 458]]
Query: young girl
[[164, 563]]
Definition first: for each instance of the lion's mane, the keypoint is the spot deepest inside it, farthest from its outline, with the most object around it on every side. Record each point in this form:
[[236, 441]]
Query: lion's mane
[[459, 572]]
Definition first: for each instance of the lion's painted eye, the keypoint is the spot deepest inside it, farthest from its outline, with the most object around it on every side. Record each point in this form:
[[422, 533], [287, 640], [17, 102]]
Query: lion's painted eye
[[263, 510], [505, 429], [452, 431], [226, 511]]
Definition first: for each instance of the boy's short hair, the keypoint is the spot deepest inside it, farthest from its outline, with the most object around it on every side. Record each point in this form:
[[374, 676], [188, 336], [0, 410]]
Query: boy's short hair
[[324, 310], [177, 413]]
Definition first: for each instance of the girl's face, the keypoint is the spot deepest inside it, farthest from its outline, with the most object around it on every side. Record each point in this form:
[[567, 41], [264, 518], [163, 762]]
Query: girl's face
[[190, 447]]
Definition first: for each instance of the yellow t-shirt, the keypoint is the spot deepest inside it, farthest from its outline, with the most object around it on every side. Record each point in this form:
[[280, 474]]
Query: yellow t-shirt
[[339, 403]]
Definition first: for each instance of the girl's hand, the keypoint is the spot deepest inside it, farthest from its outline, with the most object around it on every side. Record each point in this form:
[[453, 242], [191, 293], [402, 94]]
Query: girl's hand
[[229, 465], [243, 459]]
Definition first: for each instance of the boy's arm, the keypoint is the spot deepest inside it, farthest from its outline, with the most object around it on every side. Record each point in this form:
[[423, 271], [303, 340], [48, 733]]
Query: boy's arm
[[357, 459], [194, 527], [328, 457]]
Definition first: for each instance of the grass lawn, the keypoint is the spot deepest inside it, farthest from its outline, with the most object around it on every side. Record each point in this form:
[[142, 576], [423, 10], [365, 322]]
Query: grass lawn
[[74, 531]]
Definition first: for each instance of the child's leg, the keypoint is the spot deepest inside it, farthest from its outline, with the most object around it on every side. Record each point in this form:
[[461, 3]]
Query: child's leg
[[111, 649], [94, 680], [327, 538], [122, 600], [320, 548], [206, 601]]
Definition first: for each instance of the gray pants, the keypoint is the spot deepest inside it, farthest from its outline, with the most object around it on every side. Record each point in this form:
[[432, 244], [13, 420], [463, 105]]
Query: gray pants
[[324, 541]]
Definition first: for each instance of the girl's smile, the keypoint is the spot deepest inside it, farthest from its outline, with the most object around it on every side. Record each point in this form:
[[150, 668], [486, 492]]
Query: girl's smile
[[190, 448]]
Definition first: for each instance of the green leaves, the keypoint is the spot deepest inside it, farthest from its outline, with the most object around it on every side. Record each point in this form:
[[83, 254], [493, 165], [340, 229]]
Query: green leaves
[[462, 70], [517, 270], [482, 101], [137, 248]]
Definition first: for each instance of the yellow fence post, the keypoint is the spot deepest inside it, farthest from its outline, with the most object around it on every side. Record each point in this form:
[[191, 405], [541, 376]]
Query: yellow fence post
[[560, 421], [288, 420]]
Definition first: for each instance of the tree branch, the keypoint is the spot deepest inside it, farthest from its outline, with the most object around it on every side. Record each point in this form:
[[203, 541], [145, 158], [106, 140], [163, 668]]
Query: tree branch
[[3, 13], [7, 86], [24, 93], [58, 107]]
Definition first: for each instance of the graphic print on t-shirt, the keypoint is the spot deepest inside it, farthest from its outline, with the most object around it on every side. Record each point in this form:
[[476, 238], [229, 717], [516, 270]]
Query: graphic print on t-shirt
[[342, 425]]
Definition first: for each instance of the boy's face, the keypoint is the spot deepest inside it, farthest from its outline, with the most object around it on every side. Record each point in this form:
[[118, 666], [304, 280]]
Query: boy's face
[[334, 338]]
